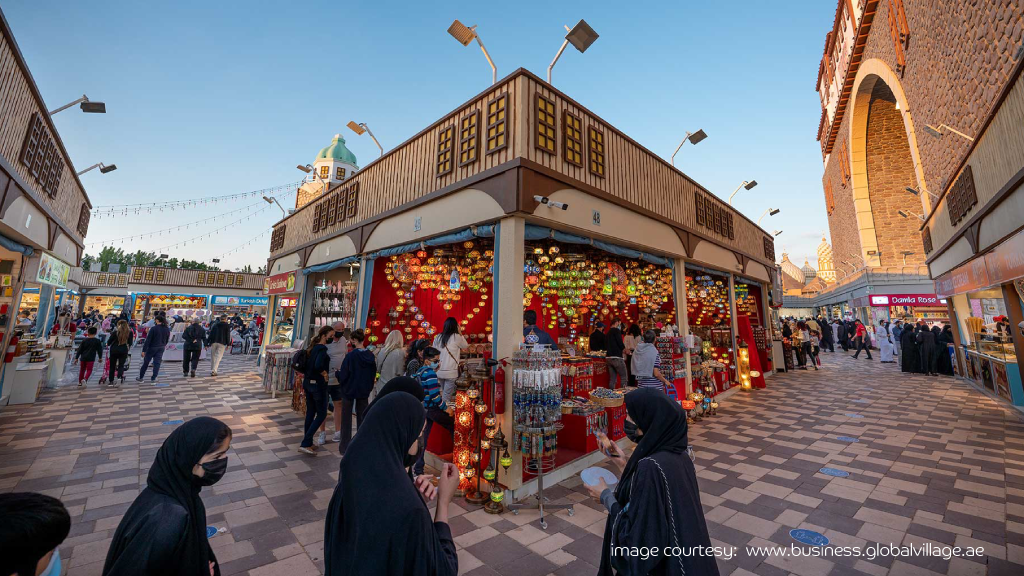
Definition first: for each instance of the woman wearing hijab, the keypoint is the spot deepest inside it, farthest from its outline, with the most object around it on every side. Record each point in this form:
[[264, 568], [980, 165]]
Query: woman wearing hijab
[[909, 351], [163, 533], [377, 523], [926, 341], [885, 343], [945, 340], [656, 502]]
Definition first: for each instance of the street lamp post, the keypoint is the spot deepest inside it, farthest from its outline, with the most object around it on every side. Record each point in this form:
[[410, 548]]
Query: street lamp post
[[466, 34], [746, 184], [581, 36], [308, 169], [768, 212], [103, 168], [86, 105], [362, 127], [693, 137], [271, 200]]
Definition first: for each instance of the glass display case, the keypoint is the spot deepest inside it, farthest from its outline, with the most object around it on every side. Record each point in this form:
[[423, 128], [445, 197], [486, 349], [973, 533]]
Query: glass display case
[[995, 346], [991, 362]]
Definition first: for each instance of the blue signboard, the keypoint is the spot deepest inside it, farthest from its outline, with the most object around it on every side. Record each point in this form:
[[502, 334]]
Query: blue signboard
[[834, 472], [809, 537], [240, 300]]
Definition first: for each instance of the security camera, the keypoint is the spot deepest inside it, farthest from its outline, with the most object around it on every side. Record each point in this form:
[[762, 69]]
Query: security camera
[[541, 199], [561, 205], [547, 201]]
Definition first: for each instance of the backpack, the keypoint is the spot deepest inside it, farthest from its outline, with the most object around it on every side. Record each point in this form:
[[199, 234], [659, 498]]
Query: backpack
[[299, 360]]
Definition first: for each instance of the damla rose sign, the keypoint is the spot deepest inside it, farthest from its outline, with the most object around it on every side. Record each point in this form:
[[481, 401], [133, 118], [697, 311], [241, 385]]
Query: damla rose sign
[[279, 283], [907, 300]]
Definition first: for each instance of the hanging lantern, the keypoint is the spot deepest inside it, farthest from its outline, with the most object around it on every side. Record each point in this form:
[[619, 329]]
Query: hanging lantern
[[506, 460], [490, 473]]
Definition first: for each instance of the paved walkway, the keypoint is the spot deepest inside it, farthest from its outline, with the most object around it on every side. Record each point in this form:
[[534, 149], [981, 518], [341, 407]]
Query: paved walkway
[[935, 461]]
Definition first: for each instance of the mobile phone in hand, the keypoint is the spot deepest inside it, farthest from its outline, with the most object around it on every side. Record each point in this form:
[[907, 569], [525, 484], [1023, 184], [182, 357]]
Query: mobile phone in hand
[[604, 444]]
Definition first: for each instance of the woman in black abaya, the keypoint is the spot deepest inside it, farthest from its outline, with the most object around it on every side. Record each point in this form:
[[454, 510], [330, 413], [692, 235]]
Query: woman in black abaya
[[377, 523], [656, 502], [945, 340], [163, 533], [910, 352], [926, 342]]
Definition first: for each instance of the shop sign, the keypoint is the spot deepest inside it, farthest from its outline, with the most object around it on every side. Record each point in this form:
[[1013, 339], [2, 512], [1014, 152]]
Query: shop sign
[[240, 300], [286, 302], [860, 302], [52, 271], [279, 283], [907, 300], [1006, 262], [970, 276]]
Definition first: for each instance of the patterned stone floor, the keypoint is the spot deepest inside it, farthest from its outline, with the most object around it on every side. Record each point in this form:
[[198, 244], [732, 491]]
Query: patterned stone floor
[[935, 461]]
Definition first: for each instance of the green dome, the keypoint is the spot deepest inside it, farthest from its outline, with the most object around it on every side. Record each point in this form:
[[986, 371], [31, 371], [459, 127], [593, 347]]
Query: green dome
[[338, 151]]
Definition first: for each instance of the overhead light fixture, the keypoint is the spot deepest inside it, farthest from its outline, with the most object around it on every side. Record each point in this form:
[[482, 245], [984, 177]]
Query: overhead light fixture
[[581, 36], [693, 137], [216, 260], [747, 184], [776, 233], [940, 131], [768, 212], [270, 200], [86, 105], [360, 128], [104, 168], [162, 256], [905, 214], [917, 192], [466, 34], [905, 254], [307, 168]]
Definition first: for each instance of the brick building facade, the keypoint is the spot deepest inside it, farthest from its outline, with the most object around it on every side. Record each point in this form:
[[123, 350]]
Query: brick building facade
[[941, 62]]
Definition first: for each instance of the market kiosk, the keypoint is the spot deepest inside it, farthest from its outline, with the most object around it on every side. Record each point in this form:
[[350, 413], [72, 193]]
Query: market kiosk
[[580, 230]]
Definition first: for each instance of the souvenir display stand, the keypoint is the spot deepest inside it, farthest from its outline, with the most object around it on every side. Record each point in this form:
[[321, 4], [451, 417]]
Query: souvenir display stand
[[537, 400], [707, 302], [278, 375], [754, 352]]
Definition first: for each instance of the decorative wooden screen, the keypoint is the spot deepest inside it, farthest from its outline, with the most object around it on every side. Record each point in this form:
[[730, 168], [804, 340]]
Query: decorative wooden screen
[[318, 216], [572, 138], [220, 278], [238, 280], [469, 138], [352, 201], [332, 209], [229, 280], [445, 140], [137, 275], [40, 154], [830, 198], [769, 248], [844, 160], [497, 124], [900, 35], [277, 238], [83, 220], [201, 278], [595, 151], [962, 196], [101, 279], [712, 216], [149, 275], [161, 275], [926, 239], [210, 279], [545, 126]]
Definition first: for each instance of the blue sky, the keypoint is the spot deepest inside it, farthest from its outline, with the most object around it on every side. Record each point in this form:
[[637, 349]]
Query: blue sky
[[214, 98]]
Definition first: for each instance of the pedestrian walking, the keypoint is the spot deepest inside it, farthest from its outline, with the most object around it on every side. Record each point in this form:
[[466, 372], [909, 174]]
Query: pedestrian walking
[[886, 351], [337, 347], [839, 334], [314, 386], [803, 344], [929, 359], [434, 406], [617, 375], [356, 376], [861, 339], [218, 341], [119, 342], [34, 526], [153, 348], [656, 501], [451, 344], [815, 348], [164, 530], [390, 359], [826, 340], [896, 331], [88, 350], [193, 338]]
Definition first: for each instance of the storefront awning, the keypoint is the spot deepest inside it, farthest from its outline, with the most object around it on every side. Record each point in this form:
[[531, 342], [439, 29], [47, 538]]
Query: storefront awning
[[15, 246], [486, 231], [330, 265]]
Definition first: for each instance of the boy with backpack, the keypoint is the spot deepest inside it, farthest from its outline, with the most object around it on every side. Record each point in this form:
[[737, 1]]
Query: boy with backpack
[[87, 352]]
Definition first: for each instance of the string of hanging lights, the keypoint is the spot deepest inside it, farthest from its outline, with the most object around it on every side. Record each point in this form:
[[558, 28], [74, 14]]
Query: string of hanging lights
[[171, 205], [247, 243], [212, 232], [177, 228]]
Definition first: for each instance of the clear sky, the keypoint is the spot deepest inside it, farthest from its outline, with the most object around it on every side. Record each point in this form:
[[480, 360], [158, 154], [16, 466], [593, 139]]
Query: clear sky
[[213, 98]]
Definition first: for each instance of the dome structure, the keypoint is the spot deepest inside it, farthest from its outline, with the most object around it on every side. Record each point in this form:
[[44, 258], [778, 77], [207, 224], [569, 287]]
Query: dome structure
[[808, 272], [338, 151], [826, 264], [792, 270]]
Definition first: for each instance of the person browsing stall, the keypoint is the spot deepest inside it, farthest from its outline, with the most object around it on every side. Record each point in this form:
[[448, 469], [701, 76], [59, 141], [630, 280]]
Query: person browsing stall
[[337, 347], [613, 356], [451, 344], [435, 407], [646, 364], [598, 341], [530, 327], [356, 376], [656, 503]]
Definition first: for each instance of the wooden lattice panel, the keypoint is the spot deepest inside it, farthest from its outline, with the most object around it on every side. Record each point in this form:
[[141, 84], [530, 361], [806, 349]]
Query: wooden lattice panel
[[445, 143], [469, 138], [497, 124], [596, 151], [962, 196], [545, 127], [572, 138]]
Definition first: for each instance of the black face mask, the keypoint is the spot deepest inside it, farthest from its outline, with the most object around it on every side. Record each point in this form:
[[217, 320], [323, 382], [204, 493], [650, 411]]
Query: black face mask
[[632, 432], [409, 459], [212, 472]]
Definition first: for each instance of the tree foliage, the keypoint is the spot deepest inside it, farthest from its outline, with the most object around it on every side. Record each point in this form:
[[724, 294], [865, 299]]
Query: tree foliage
[[110, 255]]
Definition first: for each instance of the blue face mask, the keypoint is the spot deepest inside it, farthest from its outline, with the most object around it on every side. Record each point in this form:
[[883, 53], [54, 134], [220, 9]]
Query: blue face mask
[[53, 568]]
